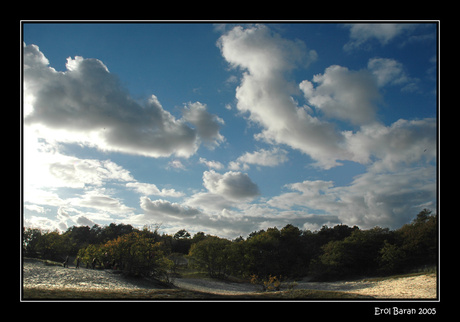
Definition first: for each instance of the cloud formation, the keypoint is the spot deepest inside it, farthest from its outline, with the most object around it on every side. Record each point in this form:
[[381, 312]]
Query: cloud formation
[[235, 186], [343, 94], [87, 104], [361, 33], [265, 93], [384, 199], [332, 117], [149, 189], [262, 157], [160, 208], [338, 94], [391, 72]]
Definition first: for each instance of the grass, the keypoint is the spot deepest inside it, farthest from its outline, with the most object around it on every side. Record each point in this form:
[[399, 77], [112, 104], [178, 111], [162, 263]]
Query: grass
[[36, 293]]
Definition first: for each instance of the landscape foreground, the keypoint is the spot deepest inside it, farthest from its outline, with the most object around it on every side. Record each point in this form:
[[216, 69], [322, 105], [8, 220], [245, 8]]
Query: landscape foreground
[[44, 281]]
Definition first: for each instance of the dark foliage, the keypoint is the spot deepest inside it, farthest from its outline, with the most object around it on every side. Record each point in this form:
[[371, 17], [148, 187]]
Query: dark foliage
[[330, 253]]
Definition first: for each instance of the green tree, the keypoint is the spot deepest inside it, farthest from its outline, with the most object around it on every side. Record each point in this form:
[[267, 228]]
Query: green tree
[[53, 246], [30, 239], [138, 254], [212, 255], [181, 242], [263, 253], [418, 240], [358, 254], [391, 259]]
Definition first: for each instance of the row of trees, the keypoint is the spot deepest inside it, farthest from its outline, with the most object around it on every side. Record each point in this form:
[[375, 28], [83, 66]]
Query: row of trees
[[330, 253]]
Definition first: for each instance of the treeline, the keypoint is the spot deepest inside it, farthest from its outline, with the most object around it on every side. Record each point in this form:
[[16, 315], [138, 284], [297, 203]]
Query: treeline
[[330, 253]]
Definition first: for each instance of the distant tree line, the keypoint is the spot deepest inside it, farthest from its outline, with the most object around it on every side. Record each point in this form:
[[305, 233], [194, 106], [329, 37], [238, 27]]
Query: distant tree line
[[329, 253]]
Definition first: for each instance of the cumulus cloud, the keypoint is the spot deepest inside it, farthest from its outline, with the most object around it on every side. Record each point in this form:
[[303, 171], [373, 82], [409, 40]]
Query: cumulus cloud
[[343, 94], [207, 125], [387, 199], [159, 208], [87, 104], [236, 186], [225, 193], [389, 147], [265, 93]]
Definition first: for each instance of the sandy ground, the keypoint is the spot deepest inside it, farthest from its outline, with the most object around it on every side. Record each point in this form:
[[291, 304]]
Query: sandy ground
[[412, 287], [36, 274]]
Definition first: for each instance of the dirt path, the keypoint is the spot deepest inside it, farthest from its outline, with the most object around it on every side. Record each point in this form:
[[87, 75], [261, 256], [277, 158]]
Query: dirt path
[[215, 286]]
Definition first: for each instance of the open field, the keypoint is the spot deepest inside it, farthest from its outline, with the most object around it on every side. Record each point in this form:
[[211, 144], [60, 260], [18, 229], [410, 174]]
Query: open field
[[42, 281]]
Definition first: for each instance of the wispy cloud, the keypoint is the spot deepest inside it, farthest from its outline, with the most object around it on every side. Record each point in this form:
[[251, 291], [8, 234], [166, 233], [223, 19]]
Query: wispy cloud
[[361, 33]]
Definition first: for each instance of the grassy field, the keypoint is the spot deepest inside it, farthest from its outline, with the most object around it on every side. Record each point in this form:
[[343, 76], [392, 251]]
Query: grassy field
[[34, 293]]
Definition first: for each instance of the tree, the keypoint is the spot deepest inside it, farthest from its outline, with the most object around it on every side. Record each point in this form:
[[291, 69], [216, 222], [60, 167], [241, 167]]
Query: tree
[[212, 255], [199, 236], [181, 242], [53, 246], [30, 239], [293, 252], [422, 217], [182, 234], [357, 254], [138, 254], [419, 240], [391, 258], [263, 253]]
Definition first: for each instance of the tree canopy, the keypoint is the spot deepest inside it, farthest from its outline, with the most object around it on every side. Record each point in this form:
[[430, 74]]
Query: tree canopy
[[329, 253]]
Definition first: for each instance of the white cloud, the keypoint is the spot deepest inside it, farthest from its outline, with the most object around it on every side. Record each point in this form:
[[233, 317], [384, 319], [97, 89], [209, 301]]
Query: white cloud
[[207, 125], [210, 203], [391, 72], [267, 158], [160, 208], [384, 199], [35, 208], [361, 33], [99, 200], [343, 94], [46, 166], [176, 164], [339, 93], [265, 93], [260, 51], [235, 186], [212, 164], [77, 173], [149, 189], [87, 104], [83, 221], [404, 143]]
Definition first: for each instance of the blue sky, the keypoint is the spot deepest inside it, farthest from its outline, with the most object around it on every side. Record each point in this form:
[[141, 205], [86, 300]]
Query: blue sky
[[228, 128]]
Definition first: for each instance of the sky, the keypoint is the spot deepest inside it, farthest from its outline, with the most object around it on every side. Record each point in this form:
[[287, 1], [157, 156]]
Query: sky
[[228, 128]]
